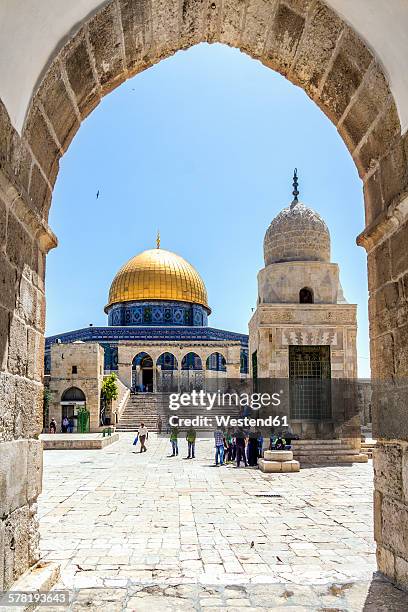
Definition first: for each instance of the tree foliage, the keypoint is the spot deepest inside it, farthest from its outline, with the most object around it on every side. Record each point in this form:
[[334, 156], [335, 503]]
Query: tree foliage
[[110, 390]]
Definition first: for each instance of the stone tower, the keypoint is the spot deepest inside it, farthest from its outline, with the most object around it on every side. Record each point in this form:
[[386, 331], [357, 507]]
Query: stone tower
[[303, 329]]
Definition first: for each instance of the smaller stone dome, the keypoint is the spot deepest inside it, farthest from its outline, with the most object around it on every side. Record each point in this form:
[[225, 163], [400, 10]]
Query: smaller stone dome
[[297, 233]]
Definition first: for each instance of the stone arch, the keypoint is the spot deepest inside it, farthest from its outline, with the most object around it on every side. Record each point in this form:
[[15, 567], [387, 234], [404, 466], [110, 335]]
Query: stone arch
[[143, 367], [306, 42], [216, 362], [73, 394], [191, 361], [167, 361]]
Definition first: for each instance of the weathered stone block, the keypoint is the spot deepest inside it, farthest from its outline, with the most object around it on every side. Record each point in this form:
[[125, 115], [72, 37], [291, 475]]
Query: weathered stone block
[[373, 199], [35, 367], [8, 284], [318, 43], [4, 336], [395, 526], [259, 16], [16, 545], [80, 75], [19, 243], [382, 362], [379, 266], [231, 21], [136, 24], [278, 455], [20, 160], [13, 476], [39, 192], [401, 351], [42, 144], [388, 470], [58, 105], [401, 571], [17, 351], [192, 21], [394, 172], [34, 469], [340, 85], [6, 132], [377, 517], [377, 143], [2, 554], [371, 100], [283, 40], [3, 223], [7, 405], [386, 562], [105, 39], [399, 251], [212, 20], [28, 411]]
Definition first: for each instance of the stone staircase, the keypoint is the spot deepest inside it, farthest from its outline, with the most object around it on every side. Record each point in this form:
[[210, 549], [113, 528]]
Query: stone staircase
[[140, 407], [328, 452], [146, 407], [368, 446]]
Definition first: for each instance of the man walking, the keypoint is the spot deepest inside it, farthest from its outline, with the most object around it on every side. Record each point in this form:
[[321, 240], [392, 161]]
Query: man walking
[[219, 447], [143, 436], [173, 440], [240, 444], [191, 438]]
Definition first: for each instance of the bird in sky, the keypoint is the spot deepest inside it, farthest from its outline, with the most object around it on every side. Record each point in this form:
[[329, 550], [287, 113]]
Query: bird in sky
[[97, 194]]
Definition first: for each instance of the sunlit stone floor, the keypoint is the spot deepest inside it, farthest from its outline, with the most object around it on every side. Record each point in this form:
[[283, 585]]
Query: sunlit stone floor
[[136, 532]]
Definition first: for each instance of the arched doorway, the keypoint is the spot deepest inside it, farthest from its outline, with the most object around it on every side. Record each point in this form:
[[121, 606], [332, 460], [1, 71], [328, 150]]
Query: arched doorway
[[192, 374], [167, 372], [71, 401], [216, 366], [307, 42], [142, 373]]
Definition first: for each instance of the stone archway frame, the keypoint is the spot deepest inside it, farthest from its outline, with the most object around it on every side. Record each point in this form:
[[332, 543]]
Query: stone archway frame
[[306, 42]]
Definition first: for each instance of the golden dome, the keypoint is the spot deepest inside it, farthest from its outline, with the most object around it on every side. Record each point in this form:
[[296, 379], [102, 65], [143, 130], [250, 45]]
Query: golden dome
[[157, 274]]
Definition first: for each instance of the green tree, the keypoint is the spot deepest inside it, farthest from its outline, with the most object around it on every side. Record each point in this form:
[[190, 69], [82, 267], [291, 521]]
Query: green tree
[[110, 390]]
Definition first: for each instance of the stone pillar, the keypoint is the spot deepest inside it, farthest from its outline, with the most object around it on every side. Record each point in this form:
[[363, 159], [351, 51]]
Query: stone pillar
[[388, 309], [154, 378], [24, 241]]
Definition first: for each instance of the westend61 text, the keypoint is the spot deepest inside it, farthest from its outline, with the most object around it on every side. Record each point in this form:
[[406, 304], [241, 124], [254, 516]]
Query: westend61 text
[[207, 401], [227, 421]]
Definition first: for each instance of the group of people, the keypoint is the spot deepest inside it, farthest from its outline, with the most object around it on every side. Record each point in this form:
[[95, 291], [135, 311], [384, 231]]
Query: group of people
[[67, 425], [239, 446]]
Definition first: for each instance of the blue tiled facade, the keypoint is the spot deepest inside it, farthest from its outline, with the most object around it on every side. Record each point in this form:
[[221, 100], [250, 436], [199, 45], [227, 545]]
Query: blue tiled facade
[[157, 313], [108, 338]]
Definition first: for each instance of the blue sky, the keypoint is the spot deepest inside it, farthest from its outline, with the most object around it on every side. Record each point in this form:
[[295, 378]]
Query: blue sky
[[202, 146]]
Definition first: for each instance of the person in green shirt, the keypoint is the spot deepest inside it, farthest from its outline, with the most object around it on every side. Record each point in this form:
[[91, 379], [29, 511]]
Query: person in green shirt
[[173, 440], [191, 438]]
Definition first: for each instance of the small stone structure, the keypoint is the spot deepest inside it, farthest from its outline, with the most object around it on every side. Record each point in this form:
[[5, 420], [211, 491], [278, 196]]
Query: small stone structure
[[278, 461], [303, 329]]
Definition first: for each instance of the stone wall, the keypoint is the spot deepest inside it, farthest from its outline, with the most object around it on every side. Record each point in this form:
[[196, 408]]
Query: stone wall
[[310, 45]]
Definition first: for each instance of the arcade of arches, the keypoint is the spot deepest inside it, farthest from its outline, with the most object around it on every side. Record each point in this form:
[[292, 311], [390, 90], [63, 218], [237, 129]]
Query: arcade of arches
[[313, 47]]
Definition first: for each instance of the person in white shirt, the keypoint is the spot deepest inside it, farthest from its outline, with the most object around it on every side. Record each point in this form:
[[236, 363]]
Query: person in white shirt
[[143, 436]]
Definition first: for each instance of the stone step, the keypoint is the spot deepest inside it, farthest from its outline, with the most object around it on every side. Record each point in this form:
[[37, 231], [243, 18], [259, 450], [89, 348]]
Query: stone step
[[322, 442], [325, 452], [331, 459]]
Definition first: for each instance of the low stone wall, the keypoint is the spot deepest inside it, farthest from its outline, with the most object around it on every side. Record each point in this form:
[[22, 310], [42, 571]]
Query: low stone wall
[[76, 442]]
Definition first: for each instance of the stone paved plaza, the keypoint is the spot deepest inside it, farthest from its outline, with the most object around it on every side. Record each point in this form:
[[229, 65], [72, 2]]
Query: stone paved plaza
[[138, 532]]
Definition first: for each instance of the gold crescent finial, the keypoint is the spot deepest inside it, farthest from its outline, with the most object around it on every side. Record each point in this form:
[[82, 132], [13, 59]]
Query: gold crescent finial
[[158, 240]]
